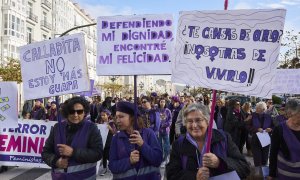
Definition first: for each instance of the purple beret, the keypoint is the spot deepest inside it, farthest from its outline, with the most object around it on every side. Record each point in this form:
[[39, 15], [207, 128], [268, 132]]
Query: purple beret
[[41, 100], [125, 107], [175, 98], [154, 94], [107, 112]]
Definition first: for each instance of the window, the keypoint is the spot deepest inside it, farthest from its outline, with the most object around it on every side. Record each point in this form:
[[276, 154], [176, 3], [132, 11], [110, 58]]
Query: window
[[45, 16], [29, 8], [44, 37], [5, 24], [29, 35]]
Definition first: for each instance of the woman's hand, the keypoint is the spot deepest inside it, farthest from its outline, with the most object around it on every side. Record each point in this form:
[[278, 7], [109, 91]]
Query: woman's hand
[[268, 130], [202, 174], [62, 163], [134, 157], [248, 118], [65, 150], [136, 138], [260, 130], [210, 160]]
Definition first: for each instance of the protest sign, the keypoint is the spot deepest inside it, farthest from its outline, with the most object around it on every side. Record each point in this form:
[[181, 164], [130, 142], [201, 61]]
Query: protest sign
[[54, 67], [134, 45], [90, 92], [234, 50], [22, 146], [286, 81], [8, 104]]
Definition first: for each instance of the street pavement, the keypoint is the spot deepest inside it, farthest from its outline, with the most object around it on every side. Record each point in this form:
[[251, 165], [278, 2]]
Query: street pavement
[[26, 173]]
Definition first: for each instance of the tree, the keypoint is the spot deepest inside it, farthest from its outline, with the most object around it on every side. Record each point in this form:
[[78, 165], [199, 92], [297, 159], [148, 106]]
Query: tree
[[290, 57], [11, 70], [112, 87]]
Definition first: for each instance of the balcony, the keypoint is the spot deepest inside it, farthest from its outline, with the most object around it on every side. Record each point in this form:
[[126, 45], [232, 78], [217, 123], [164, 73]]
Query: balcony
[[46, 25], [46, 3], [33, 17]]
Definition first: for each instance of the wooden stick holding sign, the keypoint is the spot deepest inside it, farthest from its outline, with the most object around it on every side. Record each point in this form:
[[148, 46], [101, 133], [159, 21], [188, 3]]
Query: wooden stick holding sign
[[212, 111]]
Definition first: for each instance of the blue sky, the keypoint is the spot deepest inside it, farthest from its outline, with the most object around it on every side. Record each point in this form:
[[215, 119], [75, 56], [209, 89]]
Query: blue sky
[[128, 7]]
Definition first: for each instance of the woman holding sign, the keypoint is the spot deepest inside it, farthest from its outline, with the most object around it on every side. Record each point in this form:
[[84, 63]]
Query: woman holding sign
[[134, 154], [285, 146], [74, 145], [188, 159]]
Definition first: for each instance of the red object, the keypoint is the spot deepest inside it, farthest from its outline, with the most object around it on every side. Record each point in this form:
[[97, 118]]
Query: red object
[[210, 126], [225, 4]]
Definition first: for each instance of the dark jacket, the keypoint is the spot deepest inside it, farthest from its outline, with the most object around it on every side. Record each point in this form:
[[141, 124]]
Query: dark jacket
[[223, 113], [234, 160], [91, 154]]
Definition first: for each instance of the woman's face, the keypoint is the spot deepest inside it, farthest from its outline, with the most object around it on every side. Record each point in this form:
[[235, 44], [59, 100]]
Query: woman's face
[[162, 103], [76, 115], [259, 110], [123, 120], [104, 116], [196, 124], [219, 103]]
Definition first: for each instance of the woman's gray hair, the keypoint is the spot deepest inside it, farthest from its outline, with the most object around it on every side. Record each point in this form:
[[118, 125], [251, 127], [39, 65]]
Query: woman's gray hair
[[262, 105], [196, 107], [292, 106]]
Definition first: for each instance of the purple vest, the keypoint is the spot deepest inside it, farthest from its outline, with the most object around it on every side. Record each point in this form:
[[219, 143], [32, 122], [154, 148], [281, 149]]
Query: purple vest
[[289, 169], [267, 121], [75, 170]]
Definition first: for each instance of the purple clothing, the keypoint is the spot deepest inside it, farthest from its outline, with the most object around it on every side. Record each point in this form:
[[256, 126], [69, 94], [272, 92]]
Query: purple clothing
[[75, 169], [263, 121], [38, 113], [289, 169], [151, 119], [150, 157], [165, 121]]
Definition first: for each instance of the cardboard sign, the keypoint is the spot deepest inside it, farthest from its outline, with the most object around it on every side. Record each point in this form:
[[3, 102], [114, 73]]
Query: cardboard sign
[[8, 104]]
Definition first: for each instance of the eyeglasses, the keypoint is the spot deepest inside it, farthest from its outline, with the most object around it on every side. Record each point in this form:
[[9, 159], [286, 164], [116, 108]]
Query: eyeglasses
[[79, 111], [196, 121], [144, 102]]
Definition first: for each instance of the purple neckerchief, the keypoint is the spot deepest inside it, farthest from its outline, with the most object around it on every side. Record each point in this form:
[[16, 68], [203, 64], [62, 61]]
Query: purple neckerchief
[[194, 143]]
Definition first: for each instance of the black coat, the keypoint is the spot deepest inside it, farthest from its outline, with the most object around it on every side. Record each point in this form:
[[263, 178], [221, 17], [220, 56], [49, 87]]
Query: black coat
[[223, 113], [91, 154], [234, 160]]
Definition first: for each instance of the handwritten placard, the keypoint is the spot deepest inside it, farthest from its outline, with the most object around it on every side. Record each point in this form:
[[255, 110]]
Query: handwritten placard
[[134, 45], [8, 104], [54, 67], [234, 50], [287, 81]]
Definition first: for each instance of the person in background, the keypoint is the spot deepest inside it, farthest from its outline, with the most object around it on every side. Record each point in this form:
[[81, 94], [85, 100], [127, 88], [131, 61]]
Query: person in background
[[113, 108], [151, 116], [188, 160], [234, 123], [206, 101], [52, 112], [95, 108], [38, 112], [25, 115], [179, 125], [271, 110], [176, 107], [285, 146], [220, 113], [246, 112], [107, 103], [164, 130], [135, 153], [282, 116], [105, 118], [182, 99], [73, 150], [259, 122]]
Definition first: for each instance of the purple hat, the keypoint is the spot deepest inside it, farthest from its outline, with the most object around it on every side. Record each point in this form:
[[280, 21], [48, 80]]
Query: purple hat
[[107, 112], [40, 99], [175, 98], [125, 107], [154, 94]]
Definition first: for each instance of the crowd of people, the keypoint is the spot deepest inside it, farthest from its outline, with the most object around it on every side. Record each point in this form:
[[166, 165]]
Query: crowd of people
[[171, 132]]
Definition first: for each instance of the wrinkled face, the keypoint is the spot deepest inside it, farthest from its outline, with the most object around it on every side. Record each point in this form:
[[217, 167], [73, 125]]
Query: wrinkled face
[[76, 115], [259, 109], [162, 103], [196, 124], [146, 104], [104, 116], [123, 120]]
